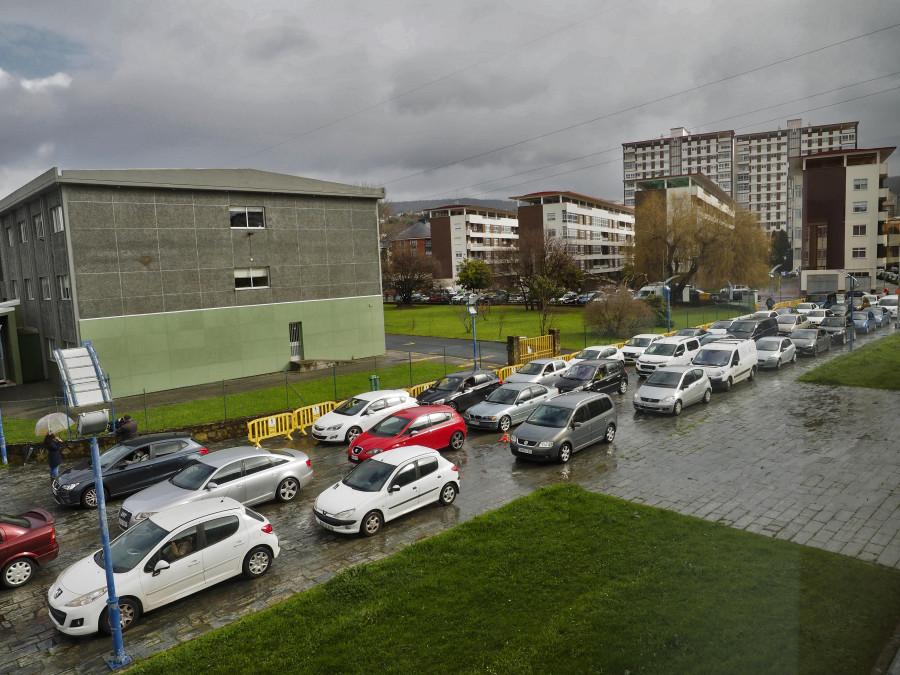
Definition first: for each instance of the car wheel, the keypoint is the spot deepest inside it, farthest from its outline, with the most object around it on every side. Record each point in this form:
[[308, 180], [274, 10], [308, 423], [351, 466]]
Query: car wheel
[[707, 396], [370, 524], [129, 612], [565, 452], [287, 489], [457, 440], [752, 375], [257, 562], [89, 498], [676, 409], [352, 433], [623, 386], [17, 572], [505, 423], [453, 405], [794, 357], [727, 384], [610, 433], [778, 364], [448, 494]]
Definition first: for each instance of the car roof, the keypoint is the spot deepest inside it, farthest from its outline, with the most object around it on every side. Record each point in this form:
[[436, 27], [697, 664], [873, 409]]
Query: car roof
[[416, 410], [397, 456], [153, 438], [543, 360], [677, 339], [176, 516], [467, 373], [644, 335], [572, 399], [515, 386], [676, 369], [222, 457], [373, 395], [596, 362]]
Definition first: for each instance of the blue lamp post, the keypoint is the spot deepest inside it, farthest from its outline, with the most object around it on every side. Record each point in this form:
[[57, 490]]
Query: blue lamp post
[[473, 312], [668, 292], [772, 281], [852, 322]]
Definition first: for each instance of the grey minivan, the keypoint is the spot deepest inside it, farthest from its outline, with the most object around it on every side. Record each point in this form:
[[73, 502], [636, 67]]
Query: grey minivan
[[565, 424]]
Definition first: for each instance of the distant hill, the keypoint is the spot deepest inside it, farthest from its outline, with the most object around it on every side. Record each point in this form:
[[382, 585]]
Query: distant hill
[[893, 184], [422, 204]]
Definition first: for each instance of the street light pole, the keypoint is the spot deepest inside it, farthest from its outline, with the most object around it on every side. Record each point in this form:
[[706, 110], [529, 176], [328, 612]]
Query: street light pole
[[668, 291], [772, 282], [473, 312], [852, 322]]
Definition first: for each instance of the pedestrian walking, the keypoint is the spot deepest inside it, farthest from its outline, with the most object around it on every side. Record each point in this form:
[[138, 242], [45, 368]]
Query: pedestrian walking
[[127, 430], [53, 446], [770, 303]]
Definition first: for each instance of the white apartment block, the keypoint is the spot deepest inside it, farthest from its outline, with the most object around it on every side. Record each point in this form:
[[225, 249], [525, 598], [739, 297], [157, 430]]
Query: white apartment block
[[463, 232], [597, 231], [754, 169]]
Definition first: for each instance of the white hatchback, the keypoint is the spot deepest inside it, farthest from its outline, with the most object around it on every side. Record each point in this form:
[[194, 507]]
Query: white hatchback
[[598, 352], [168, 556], [385, 487], [359, 414]]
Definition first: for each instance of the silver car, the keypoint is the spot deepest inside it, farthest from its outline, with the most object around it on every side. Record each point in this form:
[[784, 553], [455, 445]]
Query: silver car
[[772, 351], [672, 388], [508, 405], [247, 474], [540, 371]]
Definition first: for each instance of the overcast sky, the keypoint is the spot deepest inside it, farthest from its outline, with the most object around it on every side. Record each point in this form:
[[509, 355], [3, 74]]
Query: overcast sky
[[431, 100]]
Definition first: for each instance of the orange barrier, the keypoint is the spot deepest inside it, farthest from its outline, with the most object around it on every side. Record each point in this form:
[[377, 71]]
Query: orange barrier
[[537, 348]]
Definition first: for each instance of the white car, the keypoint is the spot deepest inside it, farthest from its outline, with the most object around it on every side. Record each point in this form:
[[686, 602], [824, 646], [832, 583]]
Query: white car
[[816, 316], [636, 346], [773, 350], [385, 487], [598, 352], [806, 307], [168, 556], [670, 351], [359, 414]]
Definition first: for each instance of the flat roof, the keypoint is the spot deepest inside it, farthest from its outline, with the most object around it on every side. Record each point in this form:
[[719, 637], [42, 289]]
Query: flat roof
[[577, 196], [474, 207], [886, 150]]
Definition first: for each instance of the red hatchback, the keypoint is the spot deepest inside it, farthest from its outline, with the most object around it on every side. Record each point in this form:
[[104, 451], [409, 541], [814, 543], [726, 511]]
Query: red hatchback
[[434, 426], [26, 541]]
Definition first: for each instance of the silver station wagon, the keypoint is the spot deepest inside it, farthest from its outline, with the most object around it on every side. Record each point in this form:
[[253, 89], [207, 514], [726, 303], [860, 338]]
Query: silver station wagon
[[508, 405]]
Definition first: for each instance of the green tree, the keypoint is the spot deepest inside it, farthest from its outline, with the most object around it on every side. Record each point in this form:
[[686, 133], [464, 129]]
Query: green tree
[[781, 251], [475, 275]]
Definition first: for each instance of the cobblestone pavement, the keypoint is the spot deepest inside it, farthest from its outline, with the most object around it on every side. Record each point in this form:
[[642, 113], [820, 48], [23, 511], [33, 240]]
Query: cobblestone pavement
[[815, 465]]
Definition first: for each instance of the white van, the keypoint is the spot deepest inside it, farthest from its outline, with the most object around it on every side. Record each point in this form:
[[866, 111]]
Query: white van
[[727, 361], [670, 351]]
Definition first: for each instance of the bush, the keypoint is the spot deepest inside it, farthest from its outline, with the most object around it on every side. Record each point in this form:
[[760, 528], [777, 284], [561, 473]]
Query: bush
[[657, 305], [618, 315]]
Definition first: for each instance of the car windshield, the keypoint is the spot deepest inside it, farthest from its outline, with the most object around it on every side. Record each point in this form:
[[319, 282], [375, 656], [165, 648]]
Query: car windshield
[[888, 302], [112, 456], [14, 520], [502, 395], [860, 316], [588, 354], [788, 318], [689, 332], [712, 357], [832, 321], [638, 342], [744, 326], [817, 312], [192, 476], [768, 345], [389, 427], [370, 476], [721, 324], [664, 378], [352, 406], [580, 372], [807, 305], [804, 334], [531, 368], [664, 349], [550, 416], [448, 383], [132, 546]]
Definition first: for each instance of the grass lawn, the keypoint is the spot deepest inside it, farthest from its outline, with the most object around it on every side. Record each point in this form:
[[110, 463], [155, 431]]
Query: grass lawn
[[875, 365], [565, 580], [503, 320]]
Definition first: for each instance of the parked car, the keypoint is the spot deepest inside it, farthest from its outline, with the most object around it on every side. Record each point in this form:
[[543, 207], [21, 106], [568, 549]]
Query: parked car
[[164, 558], [563, 425], [246, 474], [585, 298], [839, 309], [805, 307], [786, 310], [434, 426], [754, 329], [597, 352], [727, 362], [605, 375], [540, 371], [359, 414], [836, 327], [387, 487], [882, 315], [637, 345], [764, 314], [816, 316], [127, 467], [788, 323], [670, 351], [771, 352], [461, 389], [567, 298], [864, 321], [27, 541], [719, 327], [672, 388], [507, 405], [890, 303], [690, 332], [811, 341]]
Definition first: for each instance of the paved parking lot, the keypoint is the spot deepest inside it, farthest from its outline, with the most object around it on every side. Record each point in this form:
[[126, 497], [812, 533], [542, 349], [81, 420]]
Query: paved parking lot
[[815, 465]]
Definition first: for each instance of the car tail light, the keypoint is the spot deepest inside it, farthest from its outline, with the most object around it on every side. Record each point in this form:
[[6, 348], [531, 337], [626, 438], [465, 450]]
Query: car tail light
[[453, 468], [203, 451], [501, 382], [308, 462], [52, 534], [267, 528]]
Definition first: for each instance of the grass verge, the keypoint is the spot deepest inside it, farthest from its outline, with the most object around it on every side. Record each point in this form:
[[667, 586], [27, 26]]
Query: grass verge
[[565, 579], [875, 365]]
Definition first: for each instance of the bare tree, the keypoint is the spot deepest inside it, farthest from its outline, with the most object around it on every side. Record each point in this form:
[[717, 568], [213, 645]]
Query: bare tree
[[405, 271], [618, 314]]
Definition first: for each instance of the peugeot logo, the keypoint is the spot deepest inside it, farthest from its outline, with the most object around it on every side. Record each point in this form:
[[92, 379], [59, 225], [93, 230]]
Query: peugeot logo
[[57, 594]]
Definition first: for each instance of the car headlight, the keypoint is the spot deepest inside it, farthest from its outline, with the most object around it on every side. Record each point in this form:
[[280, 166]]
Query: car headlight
[[545, 444], [69, 486], [668, 399], [637, 397], [514, 438], [438, 401], [143, 515], [345, 514], [718, 373], [87, 598], [334, 427], [375, 451]]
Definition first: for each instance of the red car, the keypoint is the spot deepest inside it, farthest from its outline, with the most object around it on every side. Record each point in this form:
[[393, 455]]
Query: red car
[[434, 426], [26, 541]]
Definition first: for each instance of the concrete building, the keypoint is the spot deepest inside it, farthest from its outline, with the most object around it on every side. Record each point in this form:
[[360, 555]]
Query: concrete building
[[597, 230], [752, 168], [464, 232], [186, 276]]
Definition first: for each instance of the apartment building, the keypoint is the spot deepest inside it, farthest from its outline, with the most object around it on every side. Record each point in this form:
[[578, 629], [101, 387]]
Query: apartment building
[[416, 238], [597, 230], [754, 169], [465, 232]]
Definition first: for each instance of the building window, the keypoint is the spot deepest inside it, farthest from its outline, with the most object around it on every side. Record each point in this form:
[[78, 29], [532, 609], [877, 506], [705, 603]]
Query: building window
[[459, 254], [860, 183], [23, 232], [551, 216], [860, 207], [38, 221], [56, 219], [65, 292], [10, 237], [847, 137], [859, 252], [29, 289], [14, 289], [251, 277], [251, 217], [45, 288], [859, 230], [428, 247]]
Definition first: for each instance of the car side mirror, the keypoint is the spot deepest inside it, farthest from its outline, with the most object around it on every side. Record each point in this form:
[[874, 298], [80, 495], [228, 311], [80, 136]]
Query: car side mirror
[[467, 390], [575, 425], [413, 432], [212, 485], [394, 488], [159, 567]]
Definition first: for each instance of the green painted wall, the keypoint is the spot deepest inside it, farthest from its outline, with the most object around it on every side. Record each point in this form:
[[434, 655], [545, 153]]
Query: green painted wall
[[153, 352]]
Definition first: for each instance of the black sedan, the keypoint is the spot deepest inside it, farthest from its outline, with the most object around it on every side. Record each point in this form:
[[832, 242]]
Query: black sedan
[[836, 327], [461, 390], [127, 467], [811, 341]]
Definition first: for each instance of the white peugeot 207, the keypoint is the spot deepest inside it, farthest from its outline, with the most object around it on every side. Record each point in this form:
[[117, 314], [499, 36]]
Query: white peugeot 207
[[168, 556], [359, 414], [387, 486]]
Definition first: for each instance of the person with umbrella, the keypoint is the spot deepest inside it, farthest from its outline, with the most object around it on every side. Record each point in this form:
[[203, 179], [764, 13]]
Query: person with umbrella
[[50, 425], [53, 446]]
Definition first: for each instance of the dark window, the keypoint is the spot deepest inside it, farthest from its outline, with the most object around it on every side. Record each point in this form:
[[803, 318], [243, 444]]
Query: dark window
[[256, 464], [421, 423], [227, 473], [427, 466], [439, 418], [220, 529], [581, 414], [406, 475], [251, 277], [167, 448], [594, 408], [251, 216]]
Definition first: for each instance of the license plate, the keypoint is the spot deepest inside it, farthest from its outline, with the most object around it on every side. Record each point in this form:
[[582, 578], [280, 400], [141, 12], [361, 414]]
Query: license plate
[[354, 458], [123, 523], [327, 526], [525, 451]]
